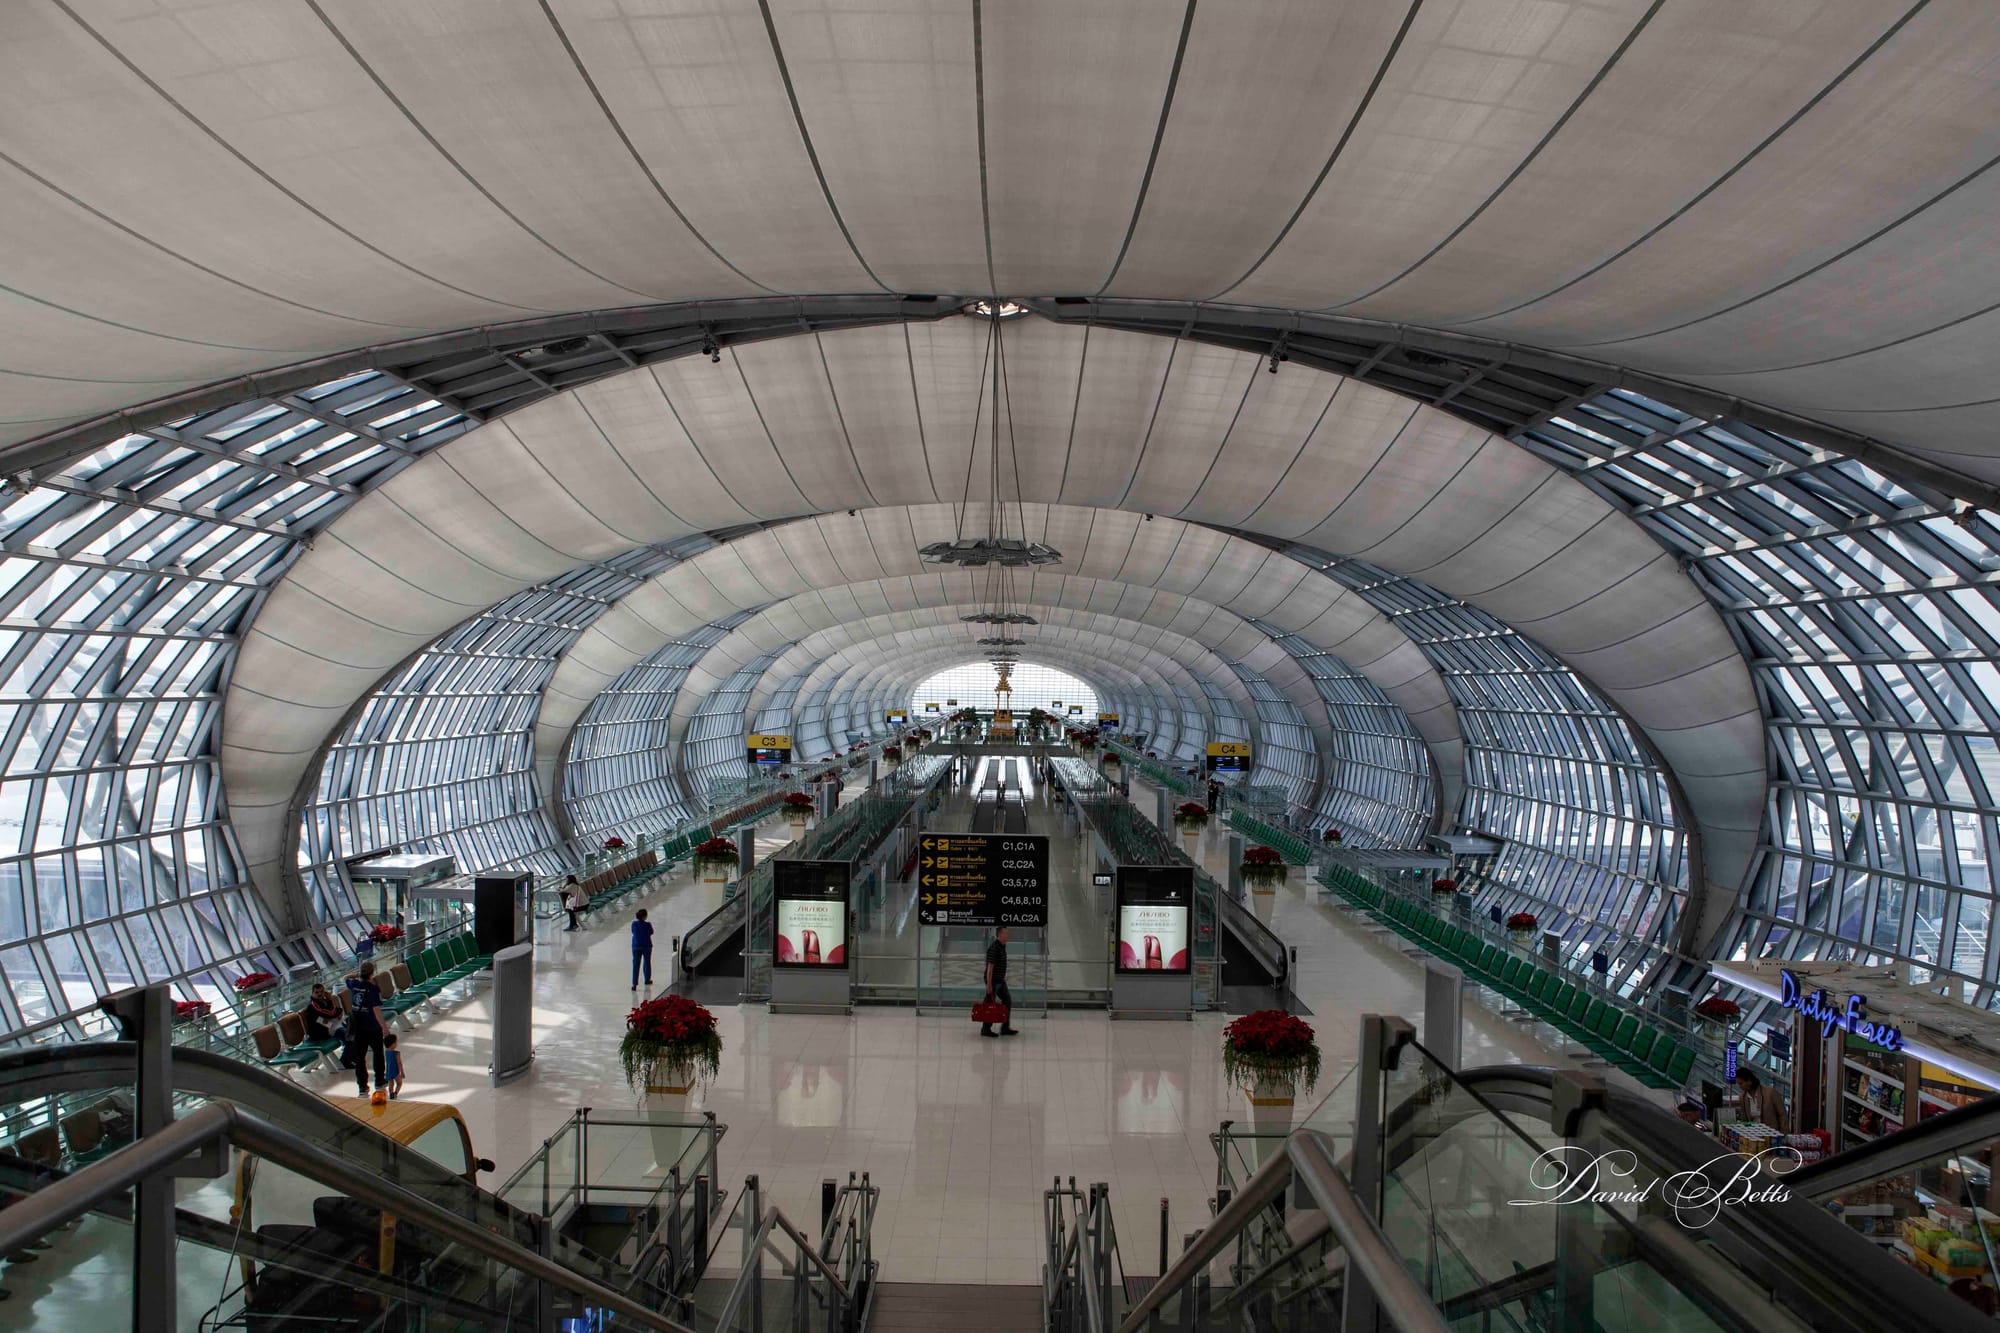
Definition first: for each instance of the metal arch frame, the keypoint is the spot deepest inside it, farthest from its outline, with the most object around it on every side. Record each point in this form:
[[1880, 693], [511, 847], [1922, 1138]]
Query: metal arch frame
[[489, 370]]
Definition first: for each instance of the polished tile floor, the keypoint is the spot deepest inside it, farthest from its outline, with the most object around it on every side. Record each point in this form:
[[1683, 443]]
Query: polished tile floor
[[963, 1135]]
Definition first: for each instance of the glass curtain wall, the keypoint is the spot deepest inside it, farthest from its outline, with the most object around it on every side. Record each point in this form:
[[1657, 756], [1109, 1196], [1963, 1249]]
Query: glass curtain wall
[[126, 577], [617, 770], [1870, 615], [1036, 685], [441, 757], [1378, 786], [1594, 847]]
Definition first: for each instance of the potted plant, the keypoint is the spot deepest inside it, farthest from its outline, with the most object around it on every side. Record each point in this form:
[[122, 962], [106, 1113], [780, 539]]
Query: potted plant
[[1190, 817], [614, 843], [254, 983], [1263, 869], [187, 1011], [670, 1046], [1521, 928], [798, 808], [714, 859], [892, 755], [1272, 1056], [1330, 837], [1442, 889], [1716, 1015], [385, 934]]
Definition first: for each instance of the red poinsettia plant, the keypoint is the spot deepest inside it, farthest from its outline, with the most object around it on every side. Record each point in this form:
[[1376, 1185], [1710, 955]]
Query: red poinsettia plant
[[1444, 886], [1190, 814], [386, 934], [614, 843], [1270, 1046], [670, 1040], [1718, 1009], [1522, 921], [798, 800], [187, 1010], [892, 752], [1330, 835], [1262, 864], [717, 849], [251, 982]]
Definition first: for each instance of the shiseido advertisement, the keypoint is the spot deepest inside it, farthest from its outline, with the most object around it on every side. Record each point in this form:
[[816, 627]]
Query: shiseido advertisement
[[1153, 905], [811, 902]]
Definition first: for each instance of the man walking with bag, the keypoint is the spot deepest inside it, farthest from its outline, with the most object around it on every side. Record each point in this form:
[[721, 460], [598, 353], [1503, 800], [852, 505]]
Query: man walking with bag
[[996, 986]]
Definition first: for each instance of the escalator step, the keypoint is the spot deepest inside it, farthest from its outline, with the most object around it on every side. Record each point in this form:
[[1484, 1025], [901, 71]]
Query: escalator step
[[960, 1308]]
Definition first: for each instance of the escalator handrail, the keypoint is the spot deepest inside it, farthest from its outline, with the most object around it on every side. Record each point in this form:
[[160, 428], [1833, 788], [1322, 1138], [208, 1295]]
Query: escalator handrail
[[1974, 1125], [1794, 1238], [74, 1196], [1308, 1158]]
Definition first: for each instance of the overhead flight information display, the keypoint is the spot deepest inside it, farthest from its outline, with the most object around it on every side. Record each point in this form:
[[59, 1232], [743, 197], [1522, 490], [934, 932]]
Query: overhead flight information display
[[983, 879], [1228, 756], [897, 717], [767, 748]]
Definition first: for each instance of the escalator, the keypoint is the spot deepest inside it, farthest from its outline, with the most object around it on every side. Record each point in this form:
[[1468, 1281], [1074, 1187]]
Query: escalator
[[292, 1214], [1516, 1198]]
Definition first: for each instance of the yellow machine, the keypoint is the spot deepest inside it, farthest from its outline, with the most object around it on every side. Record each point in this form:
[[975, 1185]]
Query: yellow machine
[[279, 1204]]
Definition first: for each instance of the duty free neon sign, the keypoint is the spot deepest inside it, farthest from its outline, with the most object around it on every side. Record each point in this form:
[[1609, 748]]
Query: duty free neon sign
[[1853, 1019]]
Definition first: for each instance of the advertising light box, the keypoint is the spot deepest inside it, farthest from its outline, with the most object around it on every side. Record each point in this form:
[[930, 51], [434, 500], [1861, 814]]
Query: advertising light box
[[1154, 908], [809, 899]]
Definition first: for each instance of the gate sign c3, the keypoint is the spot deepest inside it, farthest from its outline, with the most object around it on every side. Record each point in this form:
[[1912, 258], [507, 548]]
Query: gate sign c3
[[1107, 721], [897, 717], [1228, 756], [769, 748]]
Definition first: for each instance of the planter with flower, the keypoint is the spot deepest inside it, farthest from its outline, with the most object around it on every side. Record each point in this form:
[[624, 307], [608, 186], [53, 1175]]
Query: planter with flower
[[1191, 817], [1442, 890], [187, 1011], [256, 991], [892, 757], [714, 859], [798, 808], [1521, 928], [1715, 1015], [1263, 869], [614, 843], [1330, 837], [1272, 1056], [670, 1047], [385, 934]]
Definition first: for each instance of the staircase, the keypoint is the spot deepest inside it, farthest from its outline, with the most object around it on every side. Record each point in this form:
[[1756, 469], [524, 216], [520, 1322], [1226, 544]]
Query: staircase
[[924, 1307]]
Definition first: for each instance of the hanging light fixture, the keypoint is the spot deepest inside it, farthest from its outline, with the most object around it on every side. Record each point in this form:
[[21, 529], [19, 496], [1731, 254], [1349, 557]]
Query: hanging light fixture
[[996, 549]]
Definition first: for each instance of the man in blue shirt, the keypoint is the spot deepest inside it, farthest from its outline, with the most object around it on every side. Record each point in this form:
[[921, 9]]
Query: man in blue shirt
[[642, 948]]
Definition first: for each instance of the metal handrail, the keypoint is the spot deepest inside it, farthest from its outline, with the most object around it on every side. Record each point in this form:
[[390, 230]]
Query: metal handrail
[[750, 1274], [73, 1196], [1396, 1293]]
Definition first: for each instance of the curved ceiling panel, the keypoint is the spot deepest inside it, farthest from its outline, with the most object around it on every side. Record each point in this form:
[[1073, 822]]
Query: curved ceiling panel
[[1170, 576], [210, 190], [691, 445], [1115, 638]]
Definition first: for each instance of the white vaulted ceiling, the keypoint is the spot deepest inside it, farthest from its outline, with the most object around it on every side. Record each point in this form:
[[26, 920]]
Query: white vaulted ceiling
[[1787, 202]]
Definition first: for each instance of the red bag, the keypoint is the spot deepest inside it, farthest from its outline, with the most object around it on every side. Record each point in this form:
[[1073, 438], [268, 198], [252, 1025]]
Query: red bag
[[989, 1011]]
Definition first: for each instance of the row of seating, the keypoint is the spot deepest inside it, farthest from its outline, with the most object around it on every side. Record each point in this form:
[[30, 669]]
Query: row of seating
[[1615, 1034], [1296, 850], [417, 980], [609, 887]]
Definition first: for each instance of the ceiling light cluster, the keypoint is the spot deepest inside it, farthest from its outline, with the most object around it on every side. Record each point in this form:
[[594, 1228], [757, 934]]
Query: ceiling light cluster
[[1000, 618]]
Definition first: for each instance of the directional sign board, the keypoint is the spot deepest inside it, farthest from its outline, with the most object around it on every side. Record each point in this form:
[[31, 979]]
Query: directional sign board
[[983, 879]]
